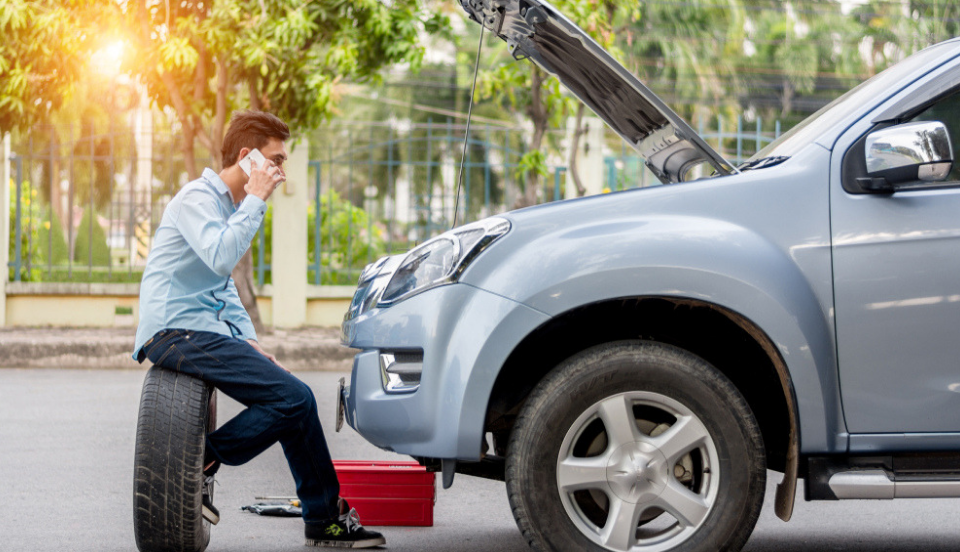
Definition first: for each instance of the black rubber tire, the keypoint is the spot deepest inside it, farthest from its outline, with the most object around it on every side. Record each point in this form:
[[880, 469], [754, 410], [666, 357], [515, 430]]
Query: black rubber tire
[[610, 369], [176, 411]]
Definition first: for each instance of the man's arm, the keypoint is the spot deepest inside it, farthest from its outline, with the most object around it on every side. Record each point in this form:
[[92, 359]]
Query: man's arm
[[220, 244]]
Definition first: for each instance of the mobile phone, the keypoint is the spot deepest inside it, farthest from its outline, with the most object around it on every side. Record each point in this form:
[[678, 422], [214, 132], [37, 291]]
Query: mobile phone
[[254, 155]]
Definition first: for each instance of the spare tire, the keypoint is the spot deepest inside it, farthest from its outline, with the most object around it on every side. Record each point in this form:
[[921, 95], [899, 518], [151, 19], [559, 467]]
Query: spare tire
[[176, 412]]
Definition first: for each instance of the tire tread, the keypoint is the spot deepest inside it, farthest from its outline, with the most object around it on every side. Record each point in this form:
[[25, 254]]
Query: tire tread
[[168, 463]]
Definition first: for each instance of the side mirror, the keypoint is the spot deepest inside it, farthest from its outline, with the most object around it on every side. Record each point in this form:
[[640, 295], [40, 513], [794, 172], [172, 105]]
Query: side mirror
[[908, 153]]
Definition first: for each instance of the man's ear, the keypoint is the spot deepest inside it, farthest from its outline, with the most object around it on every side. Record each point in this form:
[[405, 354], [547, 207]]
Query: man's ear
[[243, 153]]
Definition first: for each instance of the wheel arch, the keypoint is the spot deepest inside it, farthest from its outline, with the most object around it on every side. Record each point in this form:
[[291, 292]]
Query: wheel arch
[[729, 341]]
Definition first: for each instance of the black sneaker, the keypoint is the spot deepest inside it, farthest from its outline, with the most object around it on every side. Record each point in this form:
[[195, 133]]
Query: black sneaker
[[344, 532], [209, 511]]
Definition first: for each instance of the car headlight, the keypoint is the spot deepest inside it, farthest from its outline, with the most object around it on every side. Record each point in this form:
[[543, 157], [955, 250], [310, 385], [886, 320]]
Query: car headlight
[[441, 260]]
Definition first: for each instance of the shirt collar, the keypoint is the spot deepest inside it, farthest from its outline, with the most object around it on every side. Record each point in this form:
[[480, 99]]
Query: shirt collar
[[219, 184]]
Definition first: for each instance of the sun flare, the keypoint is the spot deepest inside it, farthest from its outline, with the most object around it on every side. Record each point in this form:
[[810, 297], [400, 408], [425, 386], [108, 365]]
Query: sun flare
[[107, 60]]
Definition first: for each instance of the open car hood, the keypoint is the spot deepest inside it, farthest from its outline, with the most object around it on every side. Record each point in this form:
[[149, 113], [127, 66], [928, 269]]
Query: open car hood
[[536, 30]]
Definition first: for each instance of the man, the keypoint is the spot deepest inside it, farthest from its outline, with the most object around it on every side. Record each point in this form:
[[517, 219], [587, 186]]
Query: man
[[191, 320]]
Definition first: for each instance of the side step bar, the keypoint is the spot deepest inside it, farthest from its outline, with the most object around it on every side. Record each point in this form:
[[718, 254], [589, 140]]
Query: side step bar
[[929, 475], [876, 484]]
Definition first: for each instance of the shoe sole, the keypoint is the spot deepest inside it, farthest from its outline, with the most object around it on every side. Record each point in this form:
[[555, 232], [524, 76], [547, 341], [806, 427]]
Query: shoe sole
[[366, 543], [210, 516]]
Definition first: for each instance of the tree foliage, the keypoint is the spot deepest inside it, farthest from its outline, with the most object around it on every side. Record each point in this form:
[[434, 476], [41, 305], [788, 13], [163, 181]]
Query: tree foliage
[[44, 51], [720, 58], [91, 241], [689, 45], [30, 226], [527, 91], [205, 59], [348, 240], [891, 30], [782, 59]]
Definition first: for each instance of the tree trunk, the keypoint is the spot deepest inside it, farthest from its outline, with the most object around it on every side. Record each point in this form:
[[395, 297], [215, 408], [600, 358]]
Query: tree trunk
[[243, 278], [189, 156], [540, 118], [787, 99], [578, 131], [220, 116], [254, 94]]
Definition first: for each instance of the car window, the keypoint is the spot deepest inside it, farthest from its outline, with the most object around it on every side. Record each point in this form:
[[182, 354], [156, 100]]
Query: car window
[[947, 111]]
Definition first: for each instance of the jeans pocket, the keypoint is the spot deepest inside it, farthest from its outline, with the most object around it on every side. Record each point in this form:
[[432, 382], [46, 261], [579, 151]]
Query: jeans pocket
[[170, 349], [158, 340]]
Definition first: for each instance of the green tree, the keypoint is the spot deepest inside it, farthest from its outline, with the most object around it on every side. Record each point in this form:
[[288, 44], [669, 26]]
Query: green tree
[[53, 244], [205, 58], [93, 135], [348, 240], [685, 51], [44, 52], [91, 241], [893, 30], [527, 91], [29, 225], [800, 49], [436, 96], [776, 59]]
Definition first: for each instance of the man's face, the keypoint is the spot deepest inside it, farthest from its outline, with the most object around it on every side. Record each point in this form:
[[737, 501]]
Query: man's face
[[276, 151]]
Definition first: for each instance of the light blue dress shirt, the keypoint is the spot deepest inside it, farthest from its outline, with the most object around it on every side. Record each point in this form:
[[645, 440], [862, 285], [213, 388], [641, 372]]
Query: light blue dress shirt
[[187, 282]]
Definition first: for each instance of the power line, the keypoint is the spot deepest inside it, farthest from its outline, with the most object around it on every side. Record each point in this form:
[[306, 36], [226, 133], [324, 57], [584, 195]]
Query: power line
[[429, 109]]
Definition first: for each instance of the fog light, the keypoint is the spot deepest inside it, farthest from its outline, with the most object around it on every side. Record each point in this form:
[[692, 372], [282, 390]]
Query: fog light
[[400, 371]]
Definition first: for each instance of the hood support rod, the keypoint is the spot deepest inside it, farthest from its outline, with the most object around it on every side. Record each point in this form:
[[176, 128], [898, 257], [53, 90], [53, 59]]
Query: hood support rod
[[466, 134]]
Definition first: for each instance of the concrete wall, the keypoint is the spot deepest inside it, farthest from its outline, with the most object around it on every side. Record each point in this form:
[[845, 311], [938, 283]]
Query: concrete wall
[[71, 304], [105, 305]]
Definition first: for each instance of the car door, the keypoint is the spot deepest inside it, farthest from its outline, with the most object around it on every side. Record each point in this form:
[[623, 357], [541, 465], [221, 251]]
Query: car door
[[897, 291]]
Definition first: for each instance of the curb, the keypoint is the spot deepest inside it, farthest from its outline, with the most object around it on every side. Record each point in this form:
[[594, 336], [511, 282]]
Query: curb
[[110, 348]]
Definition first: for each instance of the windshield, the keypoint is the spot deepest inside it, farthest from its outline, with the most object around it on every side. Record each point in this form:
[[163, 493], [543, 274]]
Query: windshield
[[815, 125]]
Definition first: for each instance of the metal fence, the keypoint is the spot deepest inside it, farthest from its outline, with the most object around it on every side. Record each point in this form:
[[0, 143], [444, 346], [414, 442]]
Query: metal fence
[[85, 202], [382, 188], [78, 213]]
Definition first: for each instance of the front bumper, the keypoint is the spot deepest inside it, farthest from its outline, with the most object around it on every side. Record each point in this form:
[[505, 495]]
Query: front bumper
[[466, 334]]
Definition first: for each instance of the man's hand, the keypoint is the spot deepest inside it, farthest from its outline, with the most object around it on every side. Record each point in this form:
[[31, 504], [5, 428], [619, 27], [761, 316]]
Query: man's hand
[[253, 343], [264, 180]]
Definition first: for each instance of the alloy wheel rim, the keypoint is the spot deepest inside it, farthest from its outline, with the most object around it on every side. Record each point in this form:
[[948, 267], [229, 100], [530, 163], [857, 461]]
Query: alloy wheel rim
[[638, 471]]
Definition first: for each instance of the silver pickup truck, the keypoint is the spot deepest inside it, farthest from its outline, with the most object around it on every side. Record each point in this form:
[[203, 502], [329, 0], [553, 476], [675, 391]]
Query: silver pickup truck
[[632, 364]]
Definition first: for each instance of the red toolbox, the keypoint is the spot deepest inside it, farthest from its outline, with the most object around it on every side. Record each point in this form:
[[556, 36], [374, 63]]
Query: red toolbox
[[388, 493]]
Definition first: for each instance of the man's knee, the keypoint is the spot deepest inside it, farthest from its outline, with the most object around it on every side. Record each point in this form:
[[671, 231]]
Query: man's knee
[[300, 401]]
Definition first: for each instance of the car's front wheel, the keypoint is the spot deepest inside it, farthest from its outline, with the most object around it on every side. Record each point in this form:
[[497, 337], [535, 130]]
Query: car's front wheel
[[636, 446]]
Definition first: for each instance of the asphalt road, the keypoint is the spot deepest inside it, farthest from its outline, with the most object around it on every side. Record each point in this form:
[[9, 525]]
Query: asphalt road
[[66, 470]]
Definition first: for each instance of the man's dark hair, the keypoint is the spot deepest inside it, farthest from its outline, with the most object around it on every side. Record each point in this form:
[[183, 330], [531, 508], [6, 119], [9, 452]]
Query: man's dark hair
[[251, 129]]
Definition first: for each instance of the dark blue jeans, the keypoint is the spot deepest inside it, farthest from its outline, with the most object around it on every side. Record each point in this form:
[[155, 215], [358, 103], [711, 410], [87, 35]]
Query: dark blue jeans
[[280, 407]]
